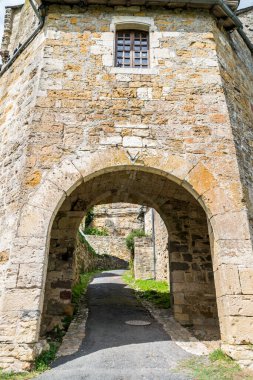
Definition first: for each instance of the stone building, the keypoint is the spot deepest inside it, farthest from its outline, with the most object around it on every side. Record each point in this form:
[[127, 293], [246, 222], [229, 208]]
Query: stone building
[[146, 102], [119, 220]]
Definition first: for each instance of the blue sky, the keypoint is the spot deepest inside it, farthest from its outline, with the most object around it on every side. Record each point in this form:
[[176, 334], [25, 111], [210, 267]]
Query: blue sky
[[4, 3]]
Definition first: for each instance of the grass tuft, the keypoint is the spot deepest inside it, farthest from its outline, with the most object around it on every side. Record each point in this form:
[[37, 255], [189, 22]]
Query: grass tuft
[[217, 366], [43, 361], [154, 291], [219, 355], [80, 288]]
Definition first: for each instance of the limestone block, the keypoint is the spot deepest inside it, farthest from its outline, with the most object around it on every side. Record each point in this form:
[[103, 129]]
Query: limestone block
[[47, 196], [132, 141], [237, 329], [231, 225], [28, 254], [234, 305], [246, 279], [30, 275], [201, 179], [11, 276], [231, 252], [164, 53], [149, 143], [227, 280], [238, 352], [221, 200], [66, 117], [34, 221], [22, 299], [65, 177], [144, 93], [27, 331], [123, 78], [8, 325], [111, 140], [178, 298], [54, 65], [107, 60]]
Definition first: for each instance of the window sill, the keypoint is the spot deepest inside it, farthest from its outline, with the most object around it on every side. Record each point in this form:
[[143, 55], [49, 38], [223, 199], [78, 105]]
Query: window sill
[[134, 70]]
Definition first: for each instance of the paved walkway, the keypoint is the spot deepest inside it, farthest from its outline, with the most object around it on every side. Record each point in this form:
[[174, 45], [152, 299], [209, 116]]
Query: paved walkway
[[115, 350]]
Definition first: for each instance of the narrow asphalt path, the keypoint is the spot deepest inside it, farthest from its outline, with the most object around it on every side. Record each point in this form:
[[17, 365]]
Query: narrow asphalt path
[[115, 350]]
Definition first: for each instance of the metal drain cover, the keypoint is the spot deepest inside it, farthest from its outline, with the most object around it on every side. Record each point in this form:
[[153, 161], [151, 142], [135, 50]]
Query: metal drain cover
[[138, 323]]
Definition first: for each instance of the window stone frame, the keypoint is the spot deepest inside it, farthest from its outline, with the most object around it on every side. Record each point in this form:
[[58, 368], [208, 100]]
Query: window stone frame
[[137, 23]]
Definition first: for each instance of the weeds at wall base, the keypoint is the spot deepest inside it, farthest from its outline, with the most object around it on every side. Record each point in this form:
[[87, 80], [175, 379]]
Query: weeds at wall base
[[217, 365]]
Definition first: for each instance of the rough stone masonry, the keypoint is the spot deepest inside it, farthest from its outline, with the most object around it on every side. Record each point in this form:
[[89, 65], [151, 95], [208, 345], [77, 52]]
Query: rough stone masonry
[[76, 131]]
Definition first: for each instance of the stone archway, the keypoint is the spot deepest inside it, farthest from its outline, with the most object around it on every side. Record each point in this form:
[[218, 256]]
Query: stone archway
[[219, 200], [192, 282]]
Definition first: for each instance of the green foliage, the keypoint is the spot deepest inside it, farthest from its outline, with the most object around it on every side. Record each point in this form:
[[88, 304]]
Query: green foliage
[[90, 249], [81, 287], [17, 376], [130, 239], [154, 291], [131, 267], [96, 231], [89, 217], [219, 355], [217, 366], [43, 361]]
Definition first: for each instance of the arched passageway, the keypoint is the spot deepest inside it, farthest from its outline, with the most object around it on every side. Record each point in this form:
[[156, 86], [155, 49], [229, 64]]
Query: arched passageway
[[192, 281]]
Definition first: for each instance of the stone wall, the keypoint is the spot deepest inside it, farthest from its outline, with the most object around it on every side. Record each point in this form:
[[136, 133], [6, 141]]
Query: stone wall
[[118, 218], [237, 77], [161, 249], [160, 243], [20, 22], [246, 17], [58, 293], [77, 131], [109, 245], [143, 258]]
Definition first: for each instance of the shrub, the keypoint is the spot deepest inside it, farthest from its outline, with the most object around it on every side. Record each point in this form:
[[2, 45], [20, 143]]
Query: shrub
[[96, 231], [43, 361], [130, 239]]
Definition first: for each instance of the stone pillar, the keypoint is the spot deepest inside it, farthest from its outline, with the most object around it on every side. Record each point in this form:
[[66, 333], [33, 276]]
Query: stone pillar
[[192, 281], [143, 258], [61, 266], [7, 34]]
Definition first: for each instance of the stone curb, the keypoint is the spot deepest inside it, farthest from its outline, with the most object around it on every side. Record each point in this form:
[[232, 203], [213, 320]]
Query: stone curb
[[76, 332], [180, 335]]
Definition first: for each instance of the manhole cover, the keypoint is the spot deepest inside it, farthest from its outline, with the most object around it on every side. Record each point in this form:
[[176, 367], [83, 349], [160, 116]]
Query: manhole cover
[[138, 323]]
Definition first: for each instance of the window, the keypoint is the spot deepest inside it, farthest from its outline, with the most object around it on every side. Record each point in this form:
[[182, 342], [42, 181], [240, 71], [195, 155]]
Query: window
[[132, 49]]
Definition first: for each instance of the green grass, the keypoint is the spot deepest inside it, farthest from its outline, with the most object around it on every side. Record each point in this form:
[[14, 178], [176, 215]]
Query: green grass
[[154, 291], [81, 287], [18, 376], [217, 366], [96, 231], [43, 361]]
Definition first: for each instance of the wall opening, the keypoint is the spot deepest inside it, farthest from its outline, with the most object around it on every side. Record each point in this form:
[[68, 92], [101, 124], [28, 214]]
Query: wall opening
[[190, 259]]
